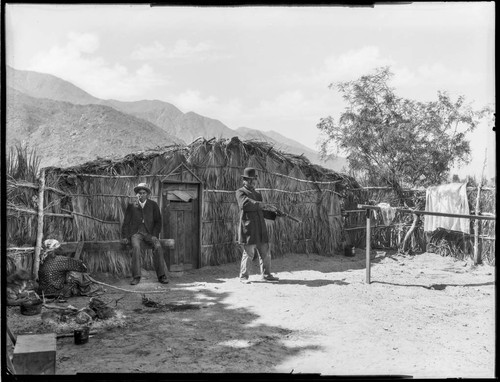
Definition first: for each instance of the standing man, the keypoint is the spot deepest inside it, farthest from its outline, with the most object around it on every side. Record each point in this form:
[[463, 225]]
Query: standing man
[[142, 222], [252, 233]]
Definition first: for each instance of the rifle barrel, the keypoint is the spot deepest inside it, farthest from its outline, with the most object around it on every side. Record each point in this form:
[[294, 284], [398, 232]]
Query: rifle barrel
[[293, 218]]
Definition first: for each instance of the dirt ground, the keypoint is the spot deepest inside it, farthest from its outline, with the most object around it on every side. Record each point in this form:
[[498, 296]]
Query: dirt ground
[[421, 316]]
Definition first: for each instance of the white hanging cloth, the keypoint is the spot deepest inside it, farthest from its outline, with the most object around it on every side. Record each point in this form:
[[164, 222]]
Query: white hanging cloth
[[448, 198]]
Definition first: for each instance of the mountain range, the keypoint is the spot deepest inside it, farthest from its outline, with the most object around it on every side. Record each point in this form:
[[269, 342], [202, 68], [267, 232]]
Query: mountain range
[[69, 126]]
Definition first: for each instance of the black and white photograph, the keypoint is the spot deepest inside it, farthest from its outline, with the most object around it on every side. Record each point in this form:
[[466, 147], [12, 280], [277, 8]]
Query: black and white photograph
[[248, 191]]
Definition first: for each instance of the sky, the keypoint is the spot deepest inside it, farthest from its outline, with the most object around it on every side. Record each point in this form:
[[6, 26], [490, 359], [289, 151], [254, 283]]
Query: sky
[[268, 67]]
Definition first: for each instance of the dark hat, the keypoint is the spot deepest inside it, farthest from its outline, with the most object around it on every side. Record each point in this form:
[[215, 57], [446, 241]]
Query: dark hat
[[249, 173], [142, 186]]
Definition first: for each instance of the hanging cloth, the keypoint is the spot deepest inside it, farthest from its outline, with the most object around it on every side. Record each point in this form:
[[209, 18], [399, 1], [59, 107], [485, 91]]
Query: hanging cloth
[[448, 198], [388, 213]]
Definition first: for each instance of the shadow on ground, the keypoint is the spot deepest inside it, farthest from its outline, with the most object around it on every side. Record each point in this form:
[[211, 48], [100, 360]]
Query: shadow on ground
[[434, 286], [215, 338], [309, 283]]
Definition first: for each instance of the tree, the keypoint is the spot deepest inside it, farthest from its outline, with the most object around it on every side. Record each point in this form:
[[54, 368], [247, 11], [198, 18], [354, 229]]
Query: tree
[[400, 142]]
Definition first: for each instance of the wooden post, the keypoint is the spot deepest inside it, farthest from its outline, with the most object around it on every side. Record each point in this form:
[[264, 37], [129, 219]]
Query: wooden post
[[477, 255], [39, 234], [368, 245]]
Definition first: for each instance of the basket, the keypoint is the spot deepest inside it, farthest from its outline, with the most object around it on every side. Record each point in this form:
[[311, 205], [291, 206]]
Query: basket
[[31, 307]]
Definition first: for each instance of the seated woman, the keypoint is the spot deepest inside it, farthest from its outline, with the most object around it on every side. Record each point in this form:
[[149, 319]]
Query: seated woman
[[61, 276]]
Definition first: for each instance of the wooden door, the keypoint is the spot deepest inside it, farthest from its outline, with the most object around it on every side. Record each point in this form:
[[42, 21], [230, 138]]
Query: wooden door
[[180, 215]]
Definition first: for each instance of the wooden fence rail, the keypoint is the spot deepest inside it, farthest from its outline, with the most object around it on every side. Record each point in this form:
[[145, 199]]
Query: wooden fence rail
[[368, 209]]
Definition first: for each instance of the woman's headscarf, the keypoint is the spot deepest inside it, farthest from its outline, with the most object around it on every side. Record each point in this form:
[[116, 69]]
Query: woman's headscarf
[[49, 246]]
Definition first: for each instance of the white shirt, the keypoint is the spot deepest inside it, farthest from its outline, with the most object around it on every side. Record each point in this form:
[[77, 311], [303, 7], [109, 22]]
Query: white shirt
[[142, 204]]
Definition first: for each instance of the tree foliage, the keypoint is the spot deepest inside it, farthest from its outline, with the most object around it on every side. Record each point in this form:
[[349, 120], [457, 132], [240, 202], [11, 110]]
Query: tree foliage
[[397, 141]]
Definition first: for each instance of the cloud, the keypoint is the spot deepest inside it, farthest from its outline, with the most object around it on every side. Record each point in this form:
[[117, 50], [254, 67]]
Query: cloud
[[77, 63], [84, 42], [151, 52], [350, 65], [210, 106], [431, 74], [181, 49], [294, 105], [421, 82]]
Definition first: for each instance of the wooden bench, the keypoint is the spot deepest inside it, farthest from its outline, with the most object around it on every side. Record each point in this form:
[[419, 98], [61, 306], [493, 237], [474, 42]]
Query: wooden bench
[[77, 247], [110, 245], [35, 354]]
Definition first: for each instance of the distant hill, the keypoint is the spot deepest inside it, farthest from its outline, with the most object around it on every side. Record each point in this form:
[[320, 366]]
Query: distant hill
[[66, 134], [289, 145], [185, 127], [41, 85]]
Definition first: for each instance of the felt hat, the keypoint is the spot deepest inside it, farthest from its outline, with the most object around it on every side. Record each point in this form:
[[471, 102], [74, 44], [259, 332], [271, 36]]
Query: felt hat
[[142, 186], [249, 173]]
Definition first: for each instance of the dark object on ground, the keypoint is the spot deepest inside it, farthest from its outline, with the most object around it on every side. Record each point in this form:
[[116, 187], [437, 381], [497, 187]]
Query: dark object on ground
[[349, 251], [167, 307], [270, 278], [163, 279], [101, 309], [149, 303], [81, 335], [31, 307]]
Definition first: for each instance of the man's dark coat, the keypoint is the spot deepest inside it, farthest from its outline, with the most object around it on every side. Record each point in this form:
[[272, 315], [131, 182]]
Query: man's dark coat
[[252, 227], [135, 214]]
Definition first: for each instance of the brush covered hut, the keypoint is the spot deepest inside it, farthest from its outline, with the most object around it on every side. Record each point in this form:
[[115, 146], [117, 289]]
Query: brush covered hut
[[195, 187]]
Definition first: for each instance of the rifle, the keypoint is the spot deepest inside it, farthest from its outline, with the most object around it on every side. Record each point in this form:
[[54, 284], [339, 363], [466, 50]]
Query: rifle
[[278, 212]]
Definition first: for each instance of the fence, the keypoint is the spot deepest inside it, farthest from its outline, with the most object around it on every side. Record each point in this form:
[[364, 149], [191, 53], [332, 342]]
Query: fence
[[446, 243]]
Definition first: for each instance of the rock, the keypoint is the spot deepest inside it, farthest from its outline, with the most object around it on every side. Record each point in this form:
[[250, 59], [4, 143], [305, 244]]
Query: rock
[[90, 312], [83, 318]]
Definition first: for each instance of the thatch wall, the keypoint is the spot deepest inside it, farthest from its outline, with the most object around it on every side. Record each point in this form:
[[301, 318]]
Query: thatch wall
[[94, 197]]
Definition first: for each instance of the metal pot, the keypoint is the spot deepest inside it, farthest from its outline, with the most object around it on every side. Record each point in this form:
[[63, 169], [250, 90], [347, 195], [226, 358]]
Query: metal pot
[[81, 335]]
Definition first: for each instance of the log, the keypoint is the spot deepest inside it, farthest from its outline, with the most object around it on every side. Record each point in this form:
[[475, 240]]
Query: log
[[368, 245], [410, 231], [110, 245], [66, 335], [477, 255], [39, 235]]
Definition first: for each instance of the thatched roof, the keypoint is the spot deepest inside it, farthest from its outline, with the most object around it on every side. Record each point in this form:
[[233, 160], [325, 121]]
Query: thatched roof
[[210, 158]]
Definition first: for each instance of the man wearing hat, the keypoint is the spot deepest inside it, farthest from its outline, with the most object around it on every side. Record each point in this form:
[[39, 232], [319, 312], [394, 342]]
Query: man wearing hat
[[142, 222], [252, 232]]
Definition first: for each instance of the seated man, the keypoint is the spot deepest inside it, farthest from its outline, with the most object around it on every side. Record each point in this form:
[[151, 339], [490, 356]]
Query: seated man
[[142, 223], [61, 276]]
